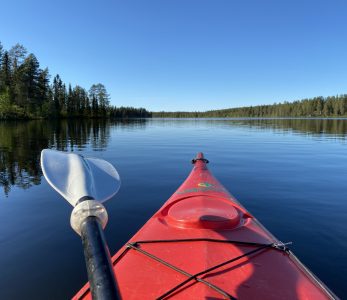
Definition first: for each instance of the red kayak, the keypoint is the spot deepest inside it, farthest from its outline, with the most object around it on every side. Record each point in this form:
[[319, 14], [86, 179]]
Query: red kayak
[[203, 244]]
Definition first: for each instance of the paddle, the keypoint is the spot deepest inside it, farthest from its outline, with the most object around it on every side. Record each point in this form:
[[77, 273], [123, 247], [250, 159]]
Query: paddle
[[85, 183]]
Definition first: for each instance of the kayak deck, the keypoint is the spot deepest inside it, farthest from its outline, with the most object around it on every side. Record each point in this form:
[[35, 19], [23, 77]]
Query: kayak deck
[[203, 244]]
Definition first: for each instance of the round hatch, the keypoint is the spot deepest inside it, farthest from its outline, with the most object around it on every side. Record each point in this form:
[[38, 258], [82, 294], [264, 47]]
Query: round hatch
[[203, 212]]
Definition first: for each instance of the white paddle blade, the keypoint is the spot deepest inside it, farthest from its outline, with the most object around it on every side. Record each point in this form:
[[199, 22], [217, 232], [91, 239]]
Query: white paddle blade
[[74, 176]]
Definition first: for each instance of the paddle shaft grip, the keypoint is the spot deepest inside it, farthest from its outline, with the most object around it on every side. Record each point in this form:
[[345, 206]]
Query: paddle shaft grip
[[97, 256]]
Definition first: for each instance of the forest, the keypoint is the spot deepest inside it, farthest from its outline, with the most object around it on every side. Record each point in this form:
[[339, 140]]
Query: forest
[[26, 92], [333, 106]]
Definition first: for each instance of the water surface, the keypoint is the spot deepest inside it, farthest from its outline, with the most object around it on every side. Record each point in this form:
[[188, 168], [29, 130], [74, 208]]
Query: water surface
[[290, 173]]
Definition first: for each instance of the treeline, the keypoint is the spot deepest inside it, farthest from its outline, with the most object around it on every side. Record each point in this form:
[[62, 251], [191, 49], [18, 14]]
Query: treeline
[[128, 112], [334, 106], [26, 92]]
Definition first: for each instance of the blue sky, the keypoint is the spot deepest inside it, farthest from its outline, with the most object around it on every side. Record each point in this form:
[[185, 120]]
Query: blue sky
[[187, 54]]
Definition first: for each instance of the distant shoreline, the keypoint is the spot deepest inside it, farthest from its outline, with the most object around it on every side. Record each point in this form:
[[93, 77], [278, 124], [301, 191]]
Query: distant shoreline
[[172, 118], [256, 118]]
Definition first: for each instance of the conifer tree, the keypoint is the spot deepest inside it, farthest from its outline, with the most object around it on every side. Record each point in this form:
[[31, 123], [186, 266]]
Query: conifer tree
[[17, 55], [5, 71], [99, 92], [69, 102], [43, 92], [56, 91], [1, 56], [95, 107], [31, 74]]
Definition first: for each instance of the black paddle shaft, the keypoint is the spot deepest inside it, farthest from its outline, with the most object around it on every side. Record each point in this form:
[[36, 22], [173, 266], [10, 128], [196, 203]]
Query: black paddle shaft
[[97, 256]]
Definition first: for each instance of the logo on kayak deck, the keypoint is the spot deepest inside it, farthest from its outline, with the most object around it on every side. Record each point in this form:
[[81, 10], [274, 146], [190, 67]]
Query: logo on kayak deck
[[205, 184], [202, 187]]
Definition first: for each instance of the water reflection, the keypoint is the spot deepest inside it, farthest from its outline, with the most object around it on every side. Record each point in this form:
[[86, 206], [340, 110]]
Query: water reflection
[[316, 127], [21, 142]]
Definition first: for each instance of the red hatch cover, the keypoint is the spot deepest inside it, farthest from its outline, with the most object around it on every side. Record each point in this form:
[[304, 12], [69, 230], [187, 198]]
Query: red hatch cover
[[203, 212]]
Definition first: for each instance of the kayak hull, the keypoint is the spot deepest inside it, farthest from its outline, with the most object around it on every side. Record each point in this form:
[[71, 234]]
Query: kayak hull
[[203, 244]]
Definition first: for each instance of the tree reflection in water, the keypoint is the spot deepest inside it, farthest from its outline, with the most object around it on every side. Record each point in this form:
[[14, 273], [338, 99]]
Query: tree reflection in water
[[21, 142]]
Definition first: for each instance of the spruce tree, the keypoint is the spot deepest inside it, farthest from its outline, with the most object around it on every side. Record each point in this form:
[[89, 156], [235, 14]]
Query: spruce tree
[[43, 99], [1, 52], [69, 102], [56, 88], [5, 72], [31, 75], [2, 84]]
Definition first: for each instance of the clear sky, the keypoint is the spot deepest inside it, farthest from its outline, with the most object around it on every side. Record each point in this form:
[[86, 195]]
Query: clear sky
[[187, 54]]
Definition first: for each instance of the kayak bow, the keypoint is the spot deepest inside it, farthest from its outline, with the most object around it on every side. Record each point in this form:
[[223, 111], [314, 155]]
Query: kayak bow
[[203, 244]]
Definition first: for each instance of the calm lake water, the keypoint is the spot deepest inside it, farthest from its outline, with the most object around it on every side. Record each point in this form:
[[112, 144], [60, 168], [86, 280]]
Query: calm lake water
[[290, 173]]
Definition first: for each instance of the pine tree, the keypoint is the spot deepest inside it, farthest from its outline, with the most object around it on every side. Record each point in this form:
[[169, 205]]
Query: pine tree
[[17, 56], [99, 92]]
